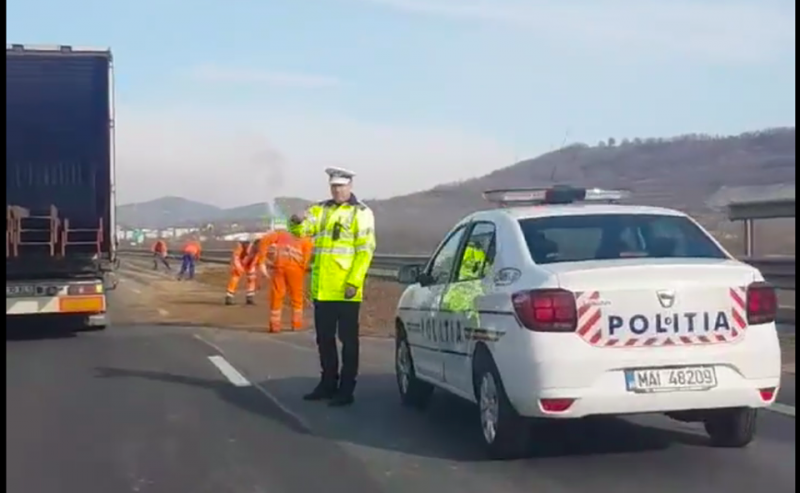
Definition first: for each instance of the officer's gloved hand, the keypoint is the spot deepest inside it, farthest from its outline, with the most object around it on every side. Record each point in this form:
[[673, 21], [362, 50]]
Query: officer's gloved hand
[[296, 218], [350, 292]]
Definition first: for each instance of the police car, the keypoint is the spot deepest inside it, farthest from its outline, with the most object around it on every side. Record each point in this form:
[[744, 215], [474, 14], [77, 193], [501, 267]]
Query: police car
[[563, 303]]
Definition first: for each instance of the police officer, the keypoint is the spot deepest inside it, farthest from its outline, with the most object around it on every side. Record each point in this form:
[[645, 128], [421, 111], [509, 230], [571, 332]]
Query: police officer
[[343, 229]]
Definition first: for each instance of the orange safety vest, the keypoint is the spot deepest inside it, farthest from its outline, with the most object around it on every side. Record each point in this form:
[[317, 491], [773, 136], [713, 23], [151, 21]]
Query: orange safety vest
[[160, 247], [192, 248], [282, 249]]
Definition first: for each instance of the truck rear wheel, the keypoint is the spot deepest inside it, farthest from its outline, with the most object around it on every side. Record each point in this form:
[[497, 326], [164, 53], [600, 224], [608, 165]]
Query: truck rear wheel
[[92, 323]]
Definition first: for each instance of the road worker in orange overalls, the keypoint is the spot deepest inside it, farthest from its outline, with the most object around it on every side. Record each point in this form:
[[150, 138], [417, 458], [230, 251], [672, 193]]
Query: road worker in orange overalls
[[284, 260], [160, 254], [191, 254], [244, 262]]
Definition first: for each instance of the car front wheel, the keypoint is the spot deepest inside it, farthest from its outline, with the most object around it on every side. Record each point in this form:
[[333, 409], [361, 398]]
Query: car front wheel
[[413, 392]]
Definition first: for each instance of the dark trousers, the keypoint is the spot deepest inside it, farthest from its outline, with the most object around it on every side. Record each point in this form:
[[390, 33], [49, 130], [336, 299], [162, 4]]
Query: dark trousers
[[332, 318], [187, 266], [160, 258]]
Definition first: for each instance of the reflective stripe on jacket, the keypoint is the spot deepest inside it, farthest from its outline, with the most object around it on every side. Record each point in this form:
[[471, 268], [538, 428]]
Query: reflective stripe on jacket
[[343, 253], [283, 249]]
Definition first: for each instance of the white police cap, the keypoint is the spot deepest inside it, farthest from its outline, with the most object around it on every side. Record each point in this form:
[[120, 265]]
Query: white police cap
[[339, 176]]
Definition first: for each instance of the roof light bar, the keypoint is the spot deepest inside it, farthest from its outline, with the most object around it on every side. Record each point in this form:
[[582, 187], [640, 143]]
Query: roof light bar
[[559, 194]]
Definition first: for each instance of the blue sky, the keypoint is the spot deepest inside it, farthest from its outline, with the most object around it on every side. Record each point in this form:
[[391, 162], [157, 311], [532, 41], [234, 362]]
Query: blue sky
[[233, 101]]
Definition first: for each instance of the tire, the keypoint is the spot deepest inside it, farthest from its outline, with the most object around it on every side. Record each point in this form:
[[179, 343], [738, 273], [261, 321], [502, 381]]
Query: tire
[[92, 328], [84, 324], [731, 428], [506, 434], [414, 393]]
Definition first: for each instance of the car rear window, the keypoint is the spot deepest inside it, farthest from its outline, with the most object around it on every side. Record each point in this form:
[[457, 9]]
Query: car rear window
[[615, 236]]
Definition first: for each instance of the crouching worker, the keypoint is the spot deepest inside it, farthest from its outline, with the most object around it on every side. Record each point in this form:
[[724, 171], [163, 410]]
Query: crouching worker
[[243, 263], [191, 254]]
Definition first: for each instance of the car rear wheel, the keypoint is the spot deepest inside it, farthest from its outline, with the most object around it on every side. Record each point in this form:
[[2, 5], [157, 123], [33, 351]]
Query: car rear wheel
[[413, 392], [731, 428], [506, 434]]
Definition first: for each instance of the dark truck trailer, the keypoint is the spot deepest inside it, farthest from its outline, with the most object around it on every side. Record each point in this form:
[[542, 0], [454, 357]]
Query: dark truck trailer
[[60, 198]]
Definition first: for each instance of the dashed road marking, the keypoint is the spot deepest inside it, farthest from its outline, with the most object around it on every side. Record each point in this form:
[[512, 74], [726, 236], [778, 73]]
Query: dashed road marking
[[163, 312], [231, 373], [136, 290], [784, 409], [266, 393]]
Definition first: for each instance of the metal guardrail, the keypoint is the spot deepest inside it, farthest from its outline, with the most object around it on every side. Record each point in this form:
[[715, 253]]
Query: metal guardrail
[[778, 270]]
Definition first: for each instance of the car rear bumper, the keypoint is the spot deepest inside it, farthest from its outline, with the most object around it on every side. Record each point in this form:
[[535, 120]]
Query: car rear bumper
[[593, 402], [564, 367]]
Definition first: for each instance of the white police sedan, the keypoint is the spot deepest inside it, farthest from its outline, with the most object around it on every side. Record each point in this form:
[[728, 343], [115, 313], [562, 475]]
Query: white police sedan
[[562, 303]]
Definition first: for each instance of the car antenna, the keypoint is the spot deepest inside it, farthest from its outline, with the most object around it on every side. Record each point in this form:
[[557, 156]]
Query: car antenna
[[555, 165]]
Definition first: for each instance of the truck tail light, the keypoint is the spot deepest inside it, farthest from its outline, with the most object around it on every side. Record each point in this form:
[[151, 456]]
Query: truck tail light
[[546, 310], [762, 304], [84, 289]]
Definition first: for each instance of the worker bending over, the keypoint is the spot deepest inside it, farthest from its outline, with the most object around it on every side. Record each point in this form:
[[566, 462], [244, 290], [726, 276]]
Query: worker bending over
[[244, 262], [191, 254], [285, 258], [160, 254]]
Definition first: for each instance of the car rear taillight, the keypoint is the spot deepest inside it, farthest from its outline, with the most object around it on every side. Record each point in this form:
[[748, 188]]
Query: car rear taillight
[[762, 304], [546, 310]]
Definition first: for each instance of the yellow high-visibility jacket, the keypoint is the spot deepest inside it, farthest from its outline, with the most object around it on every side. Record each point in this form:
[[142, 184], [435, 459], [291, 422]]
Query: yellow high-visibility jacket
[[343, 261], [471, 263]]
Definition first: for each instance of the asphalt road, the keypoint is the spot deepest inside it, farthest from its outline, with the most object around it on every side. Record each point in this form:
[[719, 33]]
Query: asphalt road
[[172, 410]]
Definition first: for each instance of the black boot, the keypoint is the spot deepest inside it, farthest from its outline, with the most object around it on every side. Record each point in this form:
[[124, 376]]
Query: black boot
[[344, 395], [250, 301], [342, 399], [322, 392], [228, 300]]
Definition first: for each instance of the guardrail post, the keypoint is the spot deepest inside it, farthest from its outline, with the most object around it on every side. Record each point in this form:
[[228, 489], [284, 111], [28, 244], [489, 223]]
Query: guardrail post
[[749, 238]]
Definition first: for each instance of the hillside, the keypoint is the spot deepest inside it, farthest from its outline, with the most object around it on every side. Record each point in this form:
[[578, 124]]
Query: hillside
[[681, 172], [176, 211]]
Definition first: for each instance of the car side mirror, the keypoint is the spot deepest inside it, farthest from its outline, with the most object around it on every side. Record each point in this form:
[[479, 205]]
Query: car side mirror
[[409, 274]]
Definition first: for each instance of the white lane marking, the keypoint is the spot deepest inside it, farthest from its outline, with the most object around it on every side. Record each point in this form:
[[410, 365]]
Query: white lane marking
[[266, 393], [136, 290], [784, 409], [163, 312], [231, 373]]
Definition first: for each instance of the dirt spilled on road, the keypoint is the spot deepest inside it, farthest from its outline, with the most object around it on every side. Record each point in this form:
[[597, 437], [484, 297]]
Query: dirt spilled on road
[[200, 302]]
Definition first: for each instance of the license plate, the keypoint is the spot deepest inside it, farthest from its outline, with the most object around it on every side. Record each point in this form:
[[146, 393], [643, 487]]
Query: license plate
[[671, 379], [20, 290]]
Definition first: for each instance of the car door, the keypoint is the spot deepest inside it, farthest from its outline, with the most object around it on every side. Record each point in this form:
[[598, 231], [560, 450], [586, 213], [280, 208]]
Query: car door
[[425, 343], [462, 326]]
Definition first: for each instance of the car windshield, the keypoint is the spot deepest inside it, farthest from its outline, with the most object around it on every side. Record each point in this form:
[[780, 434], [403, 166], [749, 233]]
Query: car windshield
[[581, 238]]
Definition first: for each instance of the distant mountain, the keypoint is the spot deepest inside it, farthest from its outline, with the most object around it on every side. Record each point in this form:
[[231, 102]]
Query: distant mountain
[[166, 211], [176, 211], [682, 172]]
